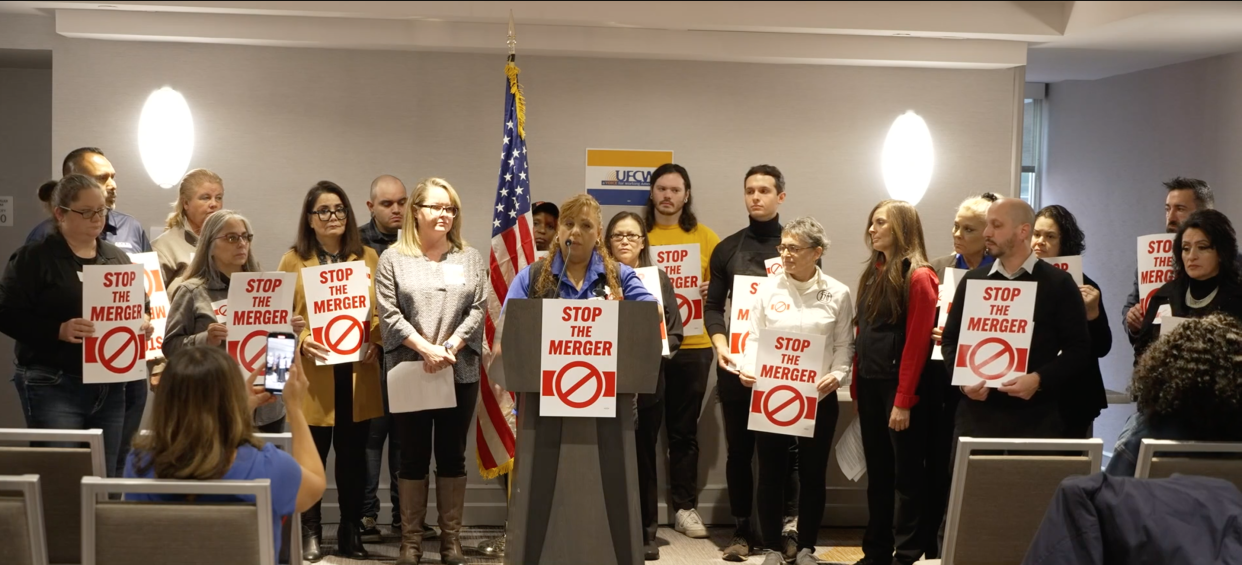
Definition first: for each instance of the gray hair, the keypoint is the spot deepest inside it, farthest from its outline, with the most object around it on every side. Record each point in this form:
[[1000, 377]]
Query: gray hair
[[203, 266], [67, 191], [808, 229]]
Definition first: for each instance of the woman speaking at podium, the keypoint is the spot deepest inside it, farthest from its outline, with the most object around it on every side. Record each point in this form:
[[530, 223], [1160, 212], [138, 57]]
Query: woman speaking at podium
[[816, 304]]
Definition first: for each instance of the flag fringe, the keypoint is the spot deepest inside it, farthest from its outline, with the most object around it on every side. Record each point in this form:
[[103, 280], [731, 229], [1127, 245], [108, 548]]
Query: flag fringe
[[489, 474], [511, 70]]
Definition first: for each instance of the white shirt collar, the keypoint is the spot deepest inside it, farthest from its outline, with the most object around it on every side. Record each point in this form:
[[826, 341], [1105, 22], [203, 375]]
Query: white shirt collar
[[1028, 266]]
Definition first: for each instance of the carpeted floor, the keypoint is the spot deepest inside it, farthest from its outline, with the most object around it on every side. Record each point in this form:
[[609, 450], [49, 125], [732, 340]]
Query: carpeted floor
[[835, 546]]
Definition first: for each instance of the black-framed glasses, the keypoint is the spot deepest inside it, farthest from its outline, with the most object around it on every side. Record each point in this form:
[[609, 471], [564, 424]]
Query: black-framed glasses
[[326, 214], [88, 215], [630, 237], [782, 249], [450, 211], [237, 238]]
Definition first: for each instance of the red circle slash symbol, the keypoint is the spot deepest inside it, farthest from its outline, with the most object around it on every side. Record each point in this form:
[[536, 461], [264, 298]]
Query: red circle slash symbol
[[128, 338], [250, 363], [335, 344], [779, 307], [977, 365], [593, 374], [770, 412], [683, 306]]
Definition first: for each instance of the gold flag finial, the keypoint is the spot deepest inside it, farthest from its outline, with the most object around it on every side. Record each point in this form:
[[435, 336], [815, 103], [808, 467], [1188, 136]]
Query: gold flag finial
[[512, 36]]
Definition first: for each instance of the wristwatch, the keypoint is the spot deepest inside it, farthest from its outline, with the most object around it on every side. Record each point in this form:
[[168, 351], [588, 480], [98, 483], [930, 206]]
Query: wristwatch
[[446, 345]]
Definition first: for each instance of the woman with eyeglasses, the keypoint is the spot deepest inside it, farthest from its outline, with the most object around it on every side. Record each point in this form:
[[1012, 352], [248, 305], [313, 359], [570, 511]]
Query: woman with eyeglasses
[[345, 396], [41, 309], [807, 301], [627, 240], [430, 289], [201, 194], [896, 310], [223, 249]]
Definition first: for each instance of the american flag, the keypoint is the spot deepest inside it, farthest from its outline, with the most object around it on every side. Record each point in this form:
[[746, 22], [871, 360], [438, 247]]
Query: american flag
[[513, 248]]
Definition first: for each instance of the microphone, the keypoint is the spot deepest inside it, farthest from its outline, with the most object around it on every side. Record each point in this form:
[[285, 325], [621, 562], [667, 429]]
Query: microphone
[[569, 241]]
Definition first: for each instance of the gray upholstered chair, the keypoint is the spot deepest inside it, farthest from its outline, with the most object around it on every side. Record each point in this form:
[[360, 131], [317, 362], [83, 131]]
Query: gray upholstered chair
[[998, 500], [1190, 458], [61, 458], [21, 520], [186, 533]]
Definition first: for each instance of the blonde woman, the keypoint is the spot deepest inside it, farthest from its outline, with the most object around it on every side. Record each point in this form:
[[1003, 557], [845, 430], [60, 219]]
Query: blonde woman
[[204, 384], [430, 291], [201, 194]]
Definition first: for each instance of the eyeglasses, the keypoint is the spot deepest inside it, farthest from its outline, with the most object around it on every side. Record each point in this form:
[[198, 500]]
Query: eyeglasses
[[326, 214], [450, 211], [630, 237], [783, 249], [237, 239], [88, 215]]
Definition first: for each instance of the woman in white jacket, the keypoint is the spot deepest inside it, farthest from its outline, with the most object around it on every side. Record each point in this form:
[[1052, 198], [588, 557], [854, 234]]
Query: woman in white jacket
[[807, 301]]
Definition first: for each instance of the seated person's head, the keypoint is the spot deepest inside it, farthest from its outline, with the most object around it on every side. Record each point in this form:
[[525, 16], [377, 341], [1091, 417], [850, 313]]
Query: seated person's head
[[200, 417], [1194, 375]]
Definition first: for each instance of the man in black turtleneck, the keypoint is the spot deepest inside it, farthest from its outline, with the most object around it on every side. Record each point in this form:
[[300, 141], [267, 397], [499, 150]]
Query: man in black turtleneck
[[743, 253]]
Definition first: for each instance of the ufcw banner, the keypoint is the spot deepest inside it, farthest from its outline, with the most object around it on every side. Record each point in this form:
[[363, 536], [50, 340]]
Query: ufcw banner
[[622, 177]]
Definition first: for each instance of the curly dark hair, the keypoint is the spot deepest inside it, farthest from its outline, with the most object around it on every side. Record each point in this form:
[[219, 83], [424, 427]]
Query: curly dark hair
[[1194, 374], [1073, 241], [1219, 231]]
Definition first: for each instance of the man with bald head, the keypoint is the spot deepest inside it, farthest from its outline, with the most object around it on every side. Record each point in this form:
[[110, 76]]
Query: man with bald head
[[387, 207], [1025, 406]]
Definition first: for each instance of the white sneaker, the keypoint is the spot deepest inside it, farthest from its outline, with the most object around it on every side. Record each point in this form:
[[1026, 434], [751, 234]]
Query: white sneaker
[[689, 524]]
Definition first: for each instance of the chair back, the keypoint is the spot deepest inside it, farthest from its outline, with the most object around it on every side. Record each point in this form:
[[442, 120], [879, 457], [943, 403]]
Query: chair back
[[21, 520], [60, 458], [1001, 490], [1208, 459]]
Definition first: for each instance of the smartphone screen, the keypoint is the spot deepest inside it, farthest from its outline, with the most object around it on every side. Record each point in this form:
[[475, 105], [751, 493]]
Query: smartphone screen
[[280, 348]]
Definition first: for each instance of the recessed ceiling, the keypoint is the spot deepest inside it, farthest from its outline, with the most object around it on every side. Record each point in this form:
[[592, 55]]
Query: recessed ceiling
[[1067, 40]]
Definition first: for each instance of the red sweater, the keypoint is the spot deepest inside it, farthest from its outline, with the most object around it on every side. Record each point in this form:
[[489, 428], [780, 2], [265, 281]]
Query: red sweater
[[920, 319]]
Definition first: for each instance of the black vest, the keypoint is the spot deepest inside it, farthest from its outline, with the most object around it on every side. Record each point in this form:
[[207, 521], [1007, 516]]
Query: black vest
[[880, 342]]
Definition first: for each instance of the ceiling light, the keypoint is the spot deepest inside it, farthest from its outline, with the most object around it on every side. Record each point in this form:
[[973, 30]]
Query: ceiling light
[[166, 136], [907, 158]]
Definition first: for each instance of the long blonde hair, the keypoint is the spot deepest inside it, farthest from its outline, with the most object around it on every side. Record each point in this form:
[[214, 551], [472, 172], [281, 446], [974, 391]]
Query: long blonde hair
[[199, 419], [409, 243], [885, 291], [575, 207], [189, 183]]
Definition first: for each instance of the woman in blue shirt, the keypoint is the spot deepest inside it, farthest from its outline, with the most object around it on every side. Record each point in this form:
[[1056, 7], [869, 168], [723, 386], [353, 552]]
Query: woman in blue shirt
[[203, 385]]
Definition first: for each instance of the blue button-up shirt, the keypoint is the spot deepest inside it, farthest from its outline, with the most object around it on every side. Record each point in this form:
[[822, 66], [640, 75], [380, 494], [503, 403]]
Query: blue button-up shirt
[[630, 285], [120, 229]]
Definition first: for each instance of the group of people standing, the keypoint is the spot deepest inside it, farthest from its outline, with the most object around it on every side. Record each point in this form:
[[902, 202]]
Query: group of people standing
[[429, 291]]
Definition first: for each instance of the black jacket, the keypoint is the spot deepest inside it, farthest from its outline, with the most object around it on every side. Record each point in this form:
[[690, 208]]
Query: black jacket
[[1060, 342], [375, 239], [1101, 519], [1228, 300], [1085, 397]]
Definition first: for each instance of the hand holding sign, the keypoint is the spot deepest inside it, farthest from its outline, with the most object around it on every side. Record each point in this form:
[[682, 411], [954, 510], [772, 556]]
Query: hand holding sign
[[74, 330], [146, 328], [827, 384], [216, 334], [1090, 299], [1023, 387], [314, 349], [978, 391]]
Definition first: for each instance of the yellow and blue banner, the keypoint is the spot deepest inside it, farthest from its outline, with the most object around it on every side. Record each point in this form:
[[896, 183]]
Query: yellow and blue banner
[[622, 177]]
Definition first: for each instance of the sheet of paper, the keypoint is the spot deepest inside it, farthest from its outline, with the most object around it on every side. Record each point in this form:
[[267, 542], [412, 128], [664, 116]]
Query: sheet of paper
[[849, 452], [411, 389], [1168, 323]]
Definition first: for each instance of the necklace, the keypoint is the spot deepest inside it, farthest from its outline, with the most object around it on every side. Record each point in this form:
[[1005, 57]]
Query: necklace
[[1191, 302]]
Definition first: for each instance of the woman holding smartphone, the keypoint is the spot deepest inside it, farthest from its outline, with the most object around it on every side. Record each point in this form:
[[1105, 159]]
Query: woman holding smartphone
[[430, 290], [223, 249], [343, 397]]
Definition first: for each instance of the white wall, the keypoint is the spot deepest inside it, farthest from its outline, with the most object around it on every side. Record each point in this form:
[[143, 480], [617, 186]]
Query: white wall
[[1111, 143], [272, 121], [25, 158]]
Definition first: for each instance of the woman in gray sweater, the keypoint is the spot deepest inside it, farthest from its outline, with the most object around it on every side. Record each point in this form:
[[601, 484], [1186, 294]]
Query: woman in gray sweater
[[430, 291], [223, 249]]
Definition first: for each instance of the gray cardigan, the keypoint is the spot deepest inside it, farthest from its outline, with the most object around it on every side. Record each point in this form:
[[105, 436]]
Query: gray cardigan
[[188, 318], [413, 295]]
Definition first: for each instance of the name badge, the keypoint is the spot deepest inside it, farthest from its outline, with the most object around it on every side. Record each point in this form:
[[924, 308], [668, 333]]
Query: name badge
[[124, 244], [454, 275]]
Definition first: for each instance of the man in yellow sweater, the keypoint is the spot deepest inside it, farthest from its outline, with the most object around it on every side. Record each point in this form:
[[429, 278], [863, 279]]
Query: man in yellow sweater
[[671, 222]]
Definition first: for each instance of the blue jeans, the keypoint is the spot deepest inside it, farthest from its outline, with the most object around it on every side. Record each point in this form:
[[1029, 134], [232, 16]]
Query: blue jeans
[[381, 429], [52, 399], [135, 405]]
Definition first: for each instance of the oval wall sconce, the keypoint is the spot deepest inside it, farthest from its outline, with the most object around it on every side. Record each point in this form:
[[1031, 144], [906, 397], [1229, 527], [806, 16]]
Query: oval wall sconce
[[166, 137], [907, 158]]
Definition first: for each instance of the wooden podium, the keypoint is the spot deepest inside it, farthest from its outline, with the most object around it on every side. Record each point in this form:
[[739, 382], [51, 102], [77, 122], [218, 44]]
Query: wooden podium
[[575, 482]]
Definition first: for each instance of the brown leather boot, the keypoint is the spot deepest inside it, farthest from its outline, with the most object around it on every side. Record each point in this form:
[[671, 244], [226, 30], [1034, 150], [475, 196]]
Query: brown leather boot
[[413, 510], [451, 503]]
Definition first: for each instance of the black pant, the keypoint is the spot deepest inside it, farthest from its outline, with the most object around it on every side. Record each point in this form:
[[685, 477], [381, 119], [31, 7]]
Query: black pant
[[939, 400], [350, 440], [646, 435], [684, 388], [443, 430], [895, 470], [812, 469], [739, 476]]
